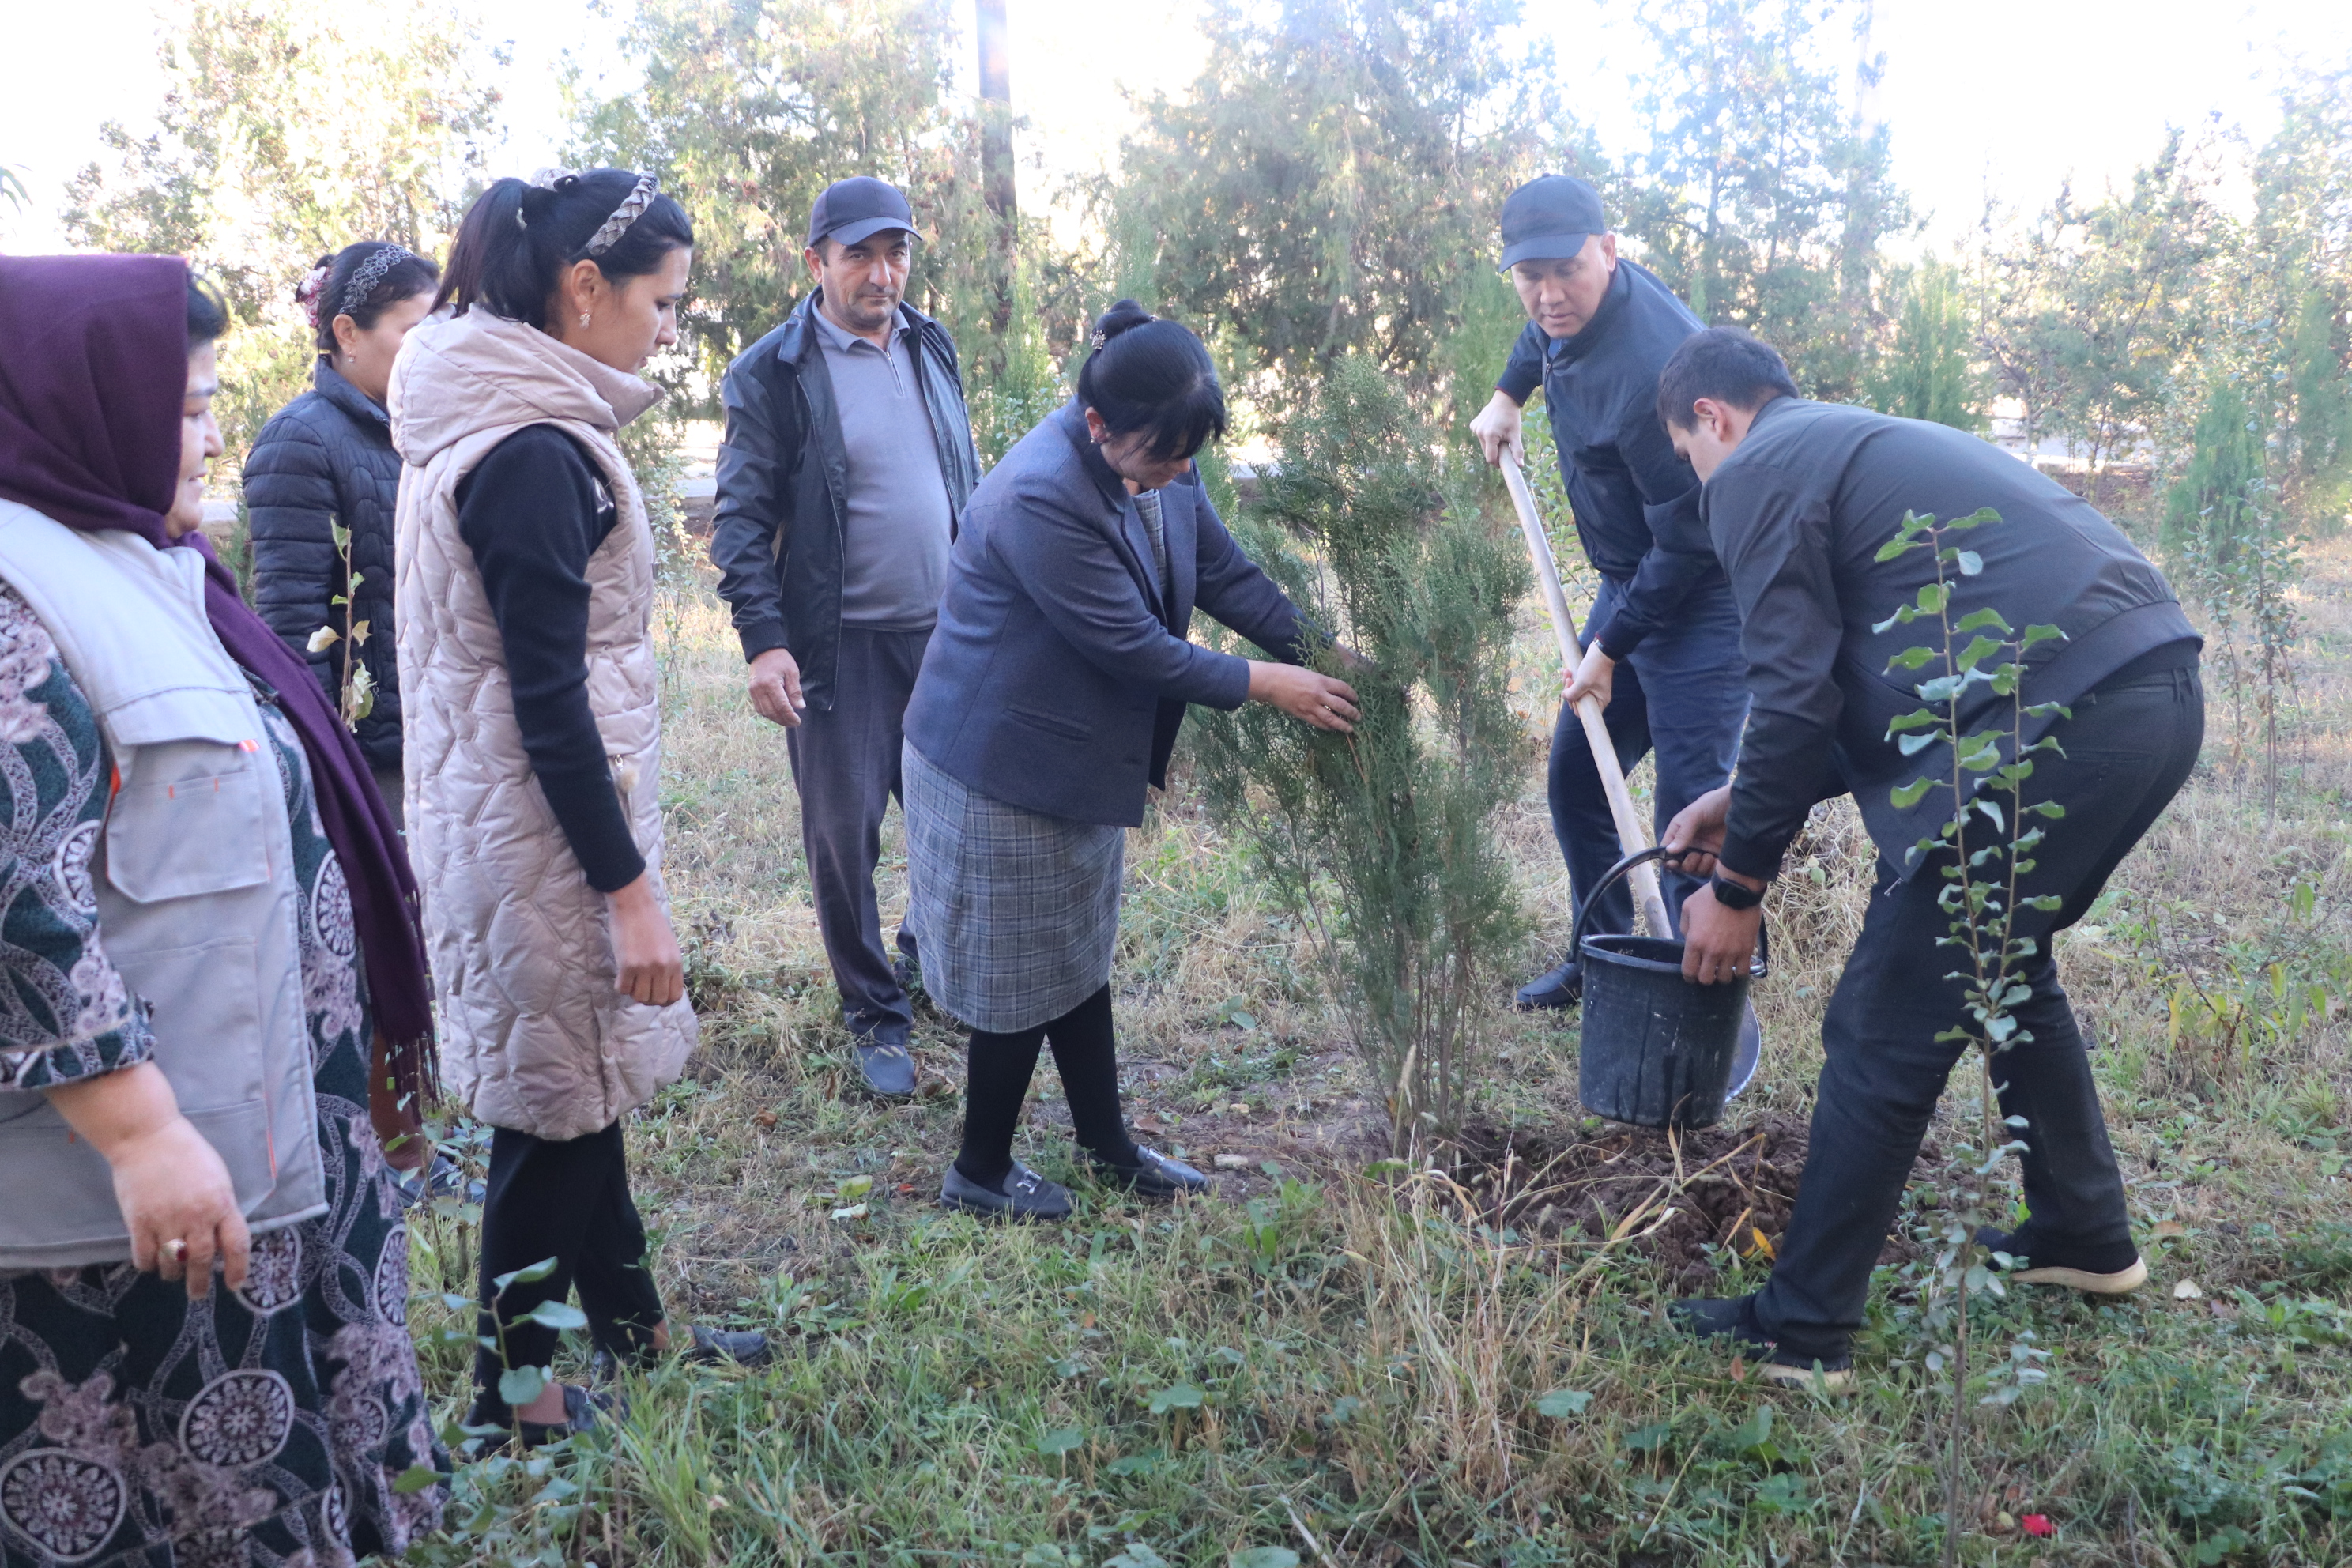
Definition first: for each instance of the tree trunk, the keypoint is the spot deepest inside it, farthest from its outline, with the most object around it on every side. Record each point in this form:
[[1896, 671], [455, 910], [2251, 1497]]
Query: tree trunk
[[996, 151]]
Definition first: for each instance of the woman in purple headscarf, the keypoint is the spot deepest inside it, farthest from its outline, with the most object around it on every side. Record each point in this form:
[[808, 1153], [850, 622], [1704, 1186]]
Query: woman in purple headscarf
[[204, 922]]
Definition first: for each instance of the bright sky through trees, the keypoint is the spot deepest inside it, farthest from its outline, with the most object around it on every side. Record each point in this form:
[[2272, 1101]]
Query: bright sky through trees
[[2013, 95]]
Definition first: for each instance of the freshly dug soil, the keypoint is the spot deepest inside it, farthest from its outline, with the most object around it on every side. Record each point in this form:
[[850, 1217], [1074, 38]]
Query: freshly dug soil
[[1725, 1186]]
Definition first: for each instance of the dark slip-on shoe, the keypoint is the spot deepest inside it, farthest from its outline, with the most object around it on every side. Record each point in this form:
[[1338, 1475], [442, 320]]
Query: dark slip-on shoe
[[744, 1347], [889, 1070], [1551, 990], [1734, 1319], [1154, 1177], [1025, 1196], [2110, 1276]]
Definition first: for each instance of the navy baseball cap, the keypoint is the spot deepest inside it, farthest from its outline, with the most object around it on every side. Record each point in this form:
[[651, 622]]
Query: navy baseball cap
[[849, 210], [1549, 217]]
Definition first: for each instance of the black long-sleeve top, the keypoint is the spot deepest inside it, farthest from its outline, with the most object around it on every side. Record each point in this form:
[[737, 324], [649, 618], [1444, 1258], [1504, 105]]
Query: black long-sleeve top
[[1798, 513], [533, 510], [1636, 502]]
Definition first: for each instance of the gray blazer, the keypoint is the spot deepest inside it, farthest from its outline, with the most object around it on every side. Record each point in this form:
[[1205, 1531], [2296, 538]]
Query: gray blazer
[[1059, 671]]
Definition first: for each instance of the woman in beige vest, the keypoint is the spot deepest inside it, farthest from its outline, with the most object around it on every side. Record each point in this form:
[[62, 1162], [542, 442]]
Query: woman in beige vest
[[525, 594], [203, 1278]]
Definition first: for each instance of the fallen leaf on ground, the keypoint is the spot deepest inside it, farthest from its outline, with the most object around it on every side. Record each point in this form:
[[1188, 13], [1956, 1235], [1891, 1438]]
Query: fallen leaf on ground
[[1149, 1124], [2186, 1290], [765, 1119], [2166, 1228]]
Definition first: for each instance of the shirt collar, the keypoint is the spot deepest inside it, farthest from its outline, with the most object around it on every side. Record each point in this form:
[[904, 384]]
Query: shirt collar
[[843, 342]]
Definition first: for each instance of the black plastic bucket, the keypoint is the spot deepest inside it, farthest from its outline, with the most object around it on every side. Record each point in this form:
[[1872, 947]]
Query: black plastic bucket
[[1657, 1048]]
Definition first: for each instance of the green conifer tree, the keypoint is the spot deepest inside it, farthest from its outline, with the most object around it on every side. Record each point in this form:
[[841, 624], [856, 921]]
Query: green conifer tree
[[1385, 839], [1930, 374]]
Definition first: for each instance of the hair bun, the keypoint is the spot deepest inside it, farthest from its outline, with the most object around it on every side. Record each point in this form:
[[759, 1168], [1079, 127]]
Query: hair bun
[[537, 202], [1121, 317]]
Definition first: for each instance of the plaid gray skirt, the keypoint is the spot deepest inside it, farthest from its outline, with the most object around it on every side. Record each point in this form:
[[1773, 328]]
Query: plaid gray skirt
[[1015, 915]]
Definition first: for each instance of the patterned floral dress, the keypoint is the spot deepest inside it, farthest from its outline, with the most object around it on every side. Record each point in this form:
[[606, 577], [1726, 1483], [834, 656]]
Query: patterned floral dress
[[261, 1426]]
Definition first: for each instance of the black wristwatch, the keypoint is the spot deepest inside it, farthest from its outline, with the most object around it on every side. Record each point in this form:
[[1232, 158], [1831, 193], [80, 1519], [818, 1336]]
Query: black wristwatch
[[1732, 896]]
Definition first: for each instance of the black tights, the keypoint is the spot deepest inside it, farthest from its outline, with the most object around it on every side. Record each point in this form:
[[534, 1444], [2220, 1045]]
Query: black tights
[[1001, 1067], [568, 1200]]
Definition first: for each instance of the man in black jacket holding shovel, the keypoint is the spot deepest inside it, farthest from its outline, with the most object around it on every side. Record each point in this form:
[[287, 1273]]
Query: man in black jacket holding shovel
[[1661, 643], [1800, 498]]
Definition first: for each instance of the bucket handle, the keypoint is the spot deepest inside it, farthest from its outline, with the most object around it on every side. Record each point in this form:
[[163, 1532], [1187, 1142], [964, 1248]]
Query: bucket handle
[[1759, 966]]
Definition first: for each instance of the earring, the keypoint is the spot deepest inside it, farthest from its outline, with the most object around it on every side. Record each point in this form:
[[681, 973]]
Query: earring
[[583, 318]]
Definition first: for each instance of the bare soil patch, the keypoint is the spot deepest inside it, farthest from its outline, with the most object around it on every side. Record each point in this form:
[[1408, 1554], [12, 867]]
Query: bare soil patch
[[1731, 1186]]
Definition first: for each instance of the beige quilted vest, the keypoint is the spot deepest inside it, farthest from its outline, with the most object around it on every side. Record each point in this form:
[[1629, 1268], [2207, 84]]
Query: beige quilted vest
[[534, 1035]]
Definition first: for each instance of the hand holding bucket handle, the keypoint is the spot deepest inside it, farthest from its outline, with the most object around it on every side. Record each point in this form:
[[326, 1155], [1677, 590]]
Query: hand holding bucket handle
[[1760, 966]]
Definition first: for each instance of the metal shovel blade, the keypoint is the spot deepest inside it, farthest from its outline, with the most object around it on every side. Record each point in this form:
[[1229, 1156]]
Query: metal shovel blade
[[1746, 1053]]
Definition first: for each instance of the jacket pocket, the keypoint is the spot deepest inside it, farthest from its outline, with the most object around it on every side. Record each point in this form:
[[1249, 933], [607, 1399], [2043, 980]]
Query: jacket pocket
[[188, 821], [1052, 723], [206, 1003], [63, 1189]]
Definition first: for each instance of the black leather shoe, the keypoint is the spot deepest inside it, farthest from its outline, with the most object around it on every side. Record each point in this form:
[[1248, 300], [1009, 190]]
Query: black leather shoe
[[1560, 987], [1154, 1177], [745, 1347], [2119, 1272], [889, 1069], [1713, 1318], [1025, 1196]]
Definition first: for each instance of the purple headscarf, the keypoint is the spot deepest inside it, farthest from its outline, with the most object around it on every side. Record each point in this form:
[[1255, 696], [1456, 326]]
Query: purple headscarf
[[91, 380]]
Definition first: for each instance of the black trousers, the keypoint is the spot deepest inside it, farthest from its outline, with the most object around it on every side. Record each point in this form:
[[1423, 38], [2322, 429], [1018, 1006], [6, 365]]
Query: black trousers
[[569, 1201], [2129, 751], [846, 764]]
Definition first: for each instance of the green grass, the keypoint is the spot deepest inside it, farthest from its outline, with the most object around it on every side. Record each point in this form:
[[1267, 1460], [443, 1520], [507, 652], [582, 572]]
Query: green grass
[[1356, 1368]]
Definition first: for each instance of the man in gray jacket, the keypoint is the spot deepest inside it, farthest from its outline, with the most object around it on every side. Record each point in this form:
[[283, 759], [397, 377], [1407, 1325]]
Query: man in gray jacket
[[846, 464]]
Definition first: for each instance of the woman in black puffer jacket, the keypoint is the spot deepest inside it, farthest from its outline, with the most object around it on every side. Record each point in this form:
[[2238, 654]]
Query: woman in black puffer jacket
[[326, 461]]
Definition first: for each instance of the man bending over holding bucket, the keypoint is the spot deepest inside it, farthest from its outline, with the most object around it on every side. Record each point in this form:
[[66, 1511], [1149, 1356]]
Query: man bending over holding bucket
[[1798, 498]]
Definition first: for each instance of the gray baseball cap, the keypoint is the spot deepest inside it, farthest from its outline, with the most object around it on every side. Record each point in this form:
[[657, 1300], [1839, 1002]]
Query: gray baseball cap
[[849, 210], [1549, 216]]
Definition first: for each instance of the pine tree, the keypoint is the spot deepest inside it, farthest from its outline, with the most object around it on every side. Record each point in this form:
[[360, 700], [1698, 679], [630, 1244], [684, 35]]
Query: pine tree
[[1928, 374], [1385, 839]]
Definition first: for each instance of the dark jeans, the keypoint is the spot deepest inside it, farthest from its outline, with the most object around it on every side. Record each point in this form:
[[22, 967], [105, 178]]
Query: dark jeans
[[846, 764], [1683, 692], [569, 1201], [2129, 751]]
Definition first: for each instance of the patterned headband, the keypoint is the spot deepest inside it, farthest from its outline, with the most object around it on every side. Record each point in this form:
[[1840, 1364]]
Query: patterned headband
[[368, 274], [632, 208]]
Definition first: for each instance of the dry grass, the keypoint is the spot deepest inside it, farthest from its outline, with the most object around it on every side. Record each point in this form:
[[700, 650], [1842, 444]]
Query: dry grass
[[1349, 1370]]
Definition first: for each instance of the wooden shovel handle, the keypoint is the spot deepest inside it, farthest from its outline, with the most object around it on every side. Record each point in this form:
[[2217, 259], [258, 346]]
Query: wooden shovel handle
[[1632, 836]]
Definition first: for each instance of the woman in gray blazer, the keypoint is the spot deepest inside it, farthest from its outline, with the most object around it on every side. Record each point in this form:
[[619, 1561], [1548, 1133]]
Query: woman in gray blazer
[[1049, 704]]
